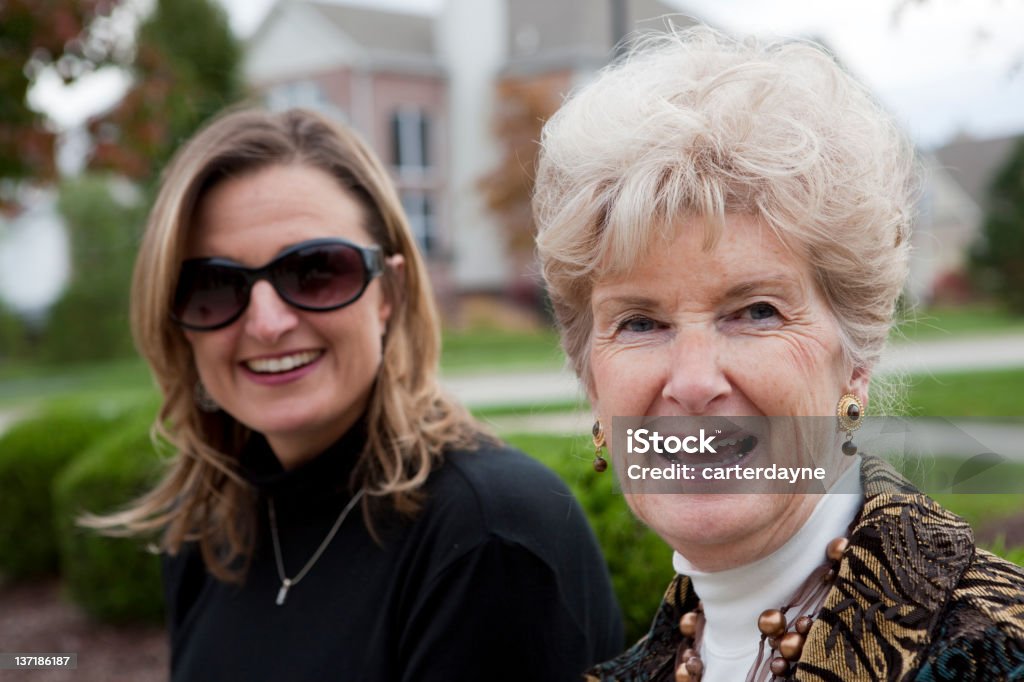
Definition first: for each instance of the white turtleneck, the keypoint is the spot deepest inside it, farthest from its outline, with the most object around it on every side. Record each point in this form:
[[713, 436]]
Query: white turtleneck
[[734, 598]]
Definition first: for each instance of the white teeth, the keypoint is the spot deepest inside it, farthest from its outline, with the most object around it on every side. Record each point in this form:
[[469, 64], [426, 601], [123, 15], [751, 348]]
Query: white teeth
[[285, 363]]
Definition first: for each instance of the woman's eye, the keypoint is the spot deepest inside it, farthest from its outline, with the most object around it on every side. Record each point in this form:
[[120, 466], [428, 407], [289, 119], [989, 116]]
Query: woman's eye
[[638, 325], [762, 311]]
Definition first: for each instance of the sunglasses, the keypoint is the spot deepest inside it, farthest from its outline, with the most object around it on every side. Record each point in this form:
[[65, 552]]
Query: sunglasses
[[317, 275]]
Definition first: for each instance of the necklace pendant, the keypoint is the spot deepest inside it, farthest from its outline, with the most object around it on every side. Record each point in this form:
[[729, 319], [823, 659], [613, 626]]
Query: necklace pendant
[[283, 592]]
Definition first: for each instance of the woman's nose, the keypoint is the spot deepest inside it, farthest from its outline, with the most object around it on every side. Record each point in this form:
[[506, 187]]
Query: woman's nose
[[696, 380], [268, 317]]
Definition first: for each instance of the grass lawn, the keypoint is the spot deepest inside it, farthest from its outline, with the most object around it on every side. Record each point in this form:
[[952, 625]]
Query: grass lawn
[[485, 349], [968, 394], [941, 323], [478, 350], [26, 383]]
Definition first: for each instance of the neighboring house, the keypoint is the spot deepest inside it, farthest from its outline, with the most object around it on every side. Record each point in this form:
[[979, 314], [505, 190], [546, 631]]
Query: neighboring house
[[973, 163], [421, 90], [378, 71], [947, 223], [953, 206]]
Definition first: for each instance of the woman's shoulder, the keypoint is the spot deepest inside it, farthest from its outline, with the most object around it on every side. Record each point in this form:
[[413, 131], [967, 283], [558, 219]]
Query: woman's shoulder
[[981, 629], [991, 591], [506, 490]]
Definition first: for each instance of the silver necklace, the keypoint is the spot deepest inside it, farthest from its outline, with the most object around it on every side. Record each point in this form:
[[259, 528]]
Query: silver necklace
[[287, 582]]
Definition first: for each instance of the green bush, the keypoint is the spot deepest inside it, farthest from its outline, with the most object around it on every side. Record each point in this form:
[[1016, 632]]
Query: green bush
[[640, 563], [32, 452], [112, 579]]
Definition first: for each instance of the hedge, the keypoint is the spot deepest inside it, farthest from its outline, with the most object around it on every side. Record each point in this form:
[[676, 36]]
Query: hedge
[[112, 579], [32, 452], [640, 563]]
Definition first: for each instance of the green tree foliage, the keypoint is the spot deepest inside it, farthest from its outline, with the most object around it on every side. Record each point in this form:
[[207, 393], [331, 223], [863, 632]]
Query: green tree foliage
[[35, 35], [998, 257], [186, 69], [90, 321]]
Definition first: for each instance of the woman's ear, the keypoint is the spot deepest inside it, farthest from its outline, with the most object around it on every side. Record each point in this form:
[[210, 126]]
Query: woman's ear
[[860, 379]]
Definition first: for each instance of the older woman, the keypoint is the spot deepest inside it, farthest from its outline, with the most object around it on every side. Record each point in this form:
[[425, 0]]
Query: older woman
[[286, 313], [724, 230]]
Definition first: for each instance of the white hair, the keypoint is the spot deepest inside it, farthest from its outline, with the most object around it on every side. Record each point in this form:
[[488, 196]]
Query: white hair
[[693, 123]]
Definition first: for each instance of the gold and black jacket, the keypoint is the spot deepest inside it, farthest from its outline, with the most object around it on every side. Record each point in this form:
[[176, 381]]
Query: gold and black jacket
[[914, 599]]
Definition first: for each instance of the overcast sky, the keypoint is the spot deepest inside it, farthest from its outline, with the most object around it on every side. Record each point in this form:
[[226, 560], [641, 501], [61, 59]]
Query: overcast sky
[[943, 66]]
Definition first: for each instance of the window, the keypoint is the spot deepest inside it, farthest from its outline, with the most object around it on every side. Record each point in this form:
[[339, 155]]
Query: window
[[419, 208], [410, 139]]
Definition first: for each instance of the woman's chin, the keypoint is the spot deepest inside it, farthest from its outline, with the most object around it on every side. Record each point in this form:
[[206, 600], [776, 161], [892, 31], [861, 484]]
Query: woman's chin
[[695, 520]]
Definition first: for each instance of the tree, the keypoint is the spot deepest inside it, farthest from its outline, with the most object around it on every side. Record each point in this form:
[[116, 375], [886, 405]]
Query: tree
[[90, 321], [523, 107], [187, 67], [998, 257], [34, 35]]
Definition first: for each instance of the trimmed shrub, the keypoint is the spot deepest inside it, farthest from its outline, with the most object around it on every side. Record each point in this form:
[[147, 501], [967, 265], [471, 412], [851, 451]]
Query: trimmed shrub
[[639, 561], [112, 579], [32, 452]]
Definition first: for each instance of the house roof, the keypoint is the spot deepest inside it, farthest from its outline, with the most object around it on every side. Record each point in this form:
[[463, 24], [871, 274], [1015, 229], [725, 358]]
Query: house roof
[[382, 39], [578, 34], [973, 163], [382, 31]]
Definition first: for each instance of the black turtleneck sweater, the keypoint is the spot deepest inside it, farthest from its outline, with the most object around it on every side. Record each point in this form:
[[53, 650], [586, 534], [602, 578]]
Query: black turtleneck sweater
[[497, 578]]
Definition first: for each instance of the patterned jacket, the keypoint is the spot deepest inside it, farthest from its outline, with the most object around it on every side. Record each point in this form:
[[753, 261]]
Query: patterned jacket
[[913, 600]]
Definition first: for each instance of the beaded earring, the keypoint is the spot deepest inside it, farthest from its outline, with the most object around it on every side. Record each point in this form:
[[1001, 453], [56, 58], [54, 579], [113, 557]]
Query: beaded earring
[[204, 401], [600, 463], [849, 412]]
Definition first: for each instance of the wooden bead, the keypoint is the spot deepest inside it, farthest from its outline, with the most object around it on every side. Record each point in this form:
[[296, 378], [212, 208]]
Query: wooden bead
[[688, 624], [836, 549], [803, 624], [695, 667], [778, 666], [772, 622], [773, 643], [790, 646], [682, 674]]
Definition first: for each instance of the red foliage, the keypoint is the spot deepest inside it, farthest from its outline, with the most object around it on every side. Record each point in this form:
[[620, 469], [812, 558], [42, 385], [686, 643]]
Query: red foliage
[[35, 33]]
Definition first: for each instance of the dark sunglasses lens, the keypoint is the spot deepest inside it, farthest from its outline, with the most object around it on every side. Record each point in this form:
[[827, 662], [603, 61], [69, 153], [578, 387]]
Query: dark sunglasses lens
[[321, 277], [208, 295]]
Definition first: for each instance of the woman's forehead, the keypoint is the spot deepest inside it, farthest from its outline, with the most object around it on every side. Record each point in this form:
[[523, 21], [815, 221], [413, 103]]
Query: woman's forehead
[[695, 244]]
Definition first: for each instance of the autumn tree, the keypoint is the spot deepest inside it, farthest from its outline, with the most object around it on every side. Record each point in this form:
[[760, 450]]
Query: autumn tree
[[523, 106], [186, 68], [35, 35]]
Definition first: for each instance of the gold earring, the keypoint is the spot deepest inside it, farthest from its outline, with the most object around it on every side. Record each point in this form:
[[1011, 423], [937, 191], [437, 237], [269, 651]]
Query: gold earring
[[850, 412], [600, 463]]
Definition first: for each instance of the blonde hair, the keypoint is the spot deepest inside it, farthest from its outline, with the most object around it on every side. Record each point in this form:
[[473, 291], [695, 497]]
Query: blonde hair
[[409, 421], [694, 123]]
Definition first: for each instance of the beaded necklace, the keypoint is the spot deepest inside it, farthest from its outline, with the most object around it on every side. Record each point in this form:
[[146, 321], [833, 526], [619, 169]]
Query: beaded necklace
[[785, 638]]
